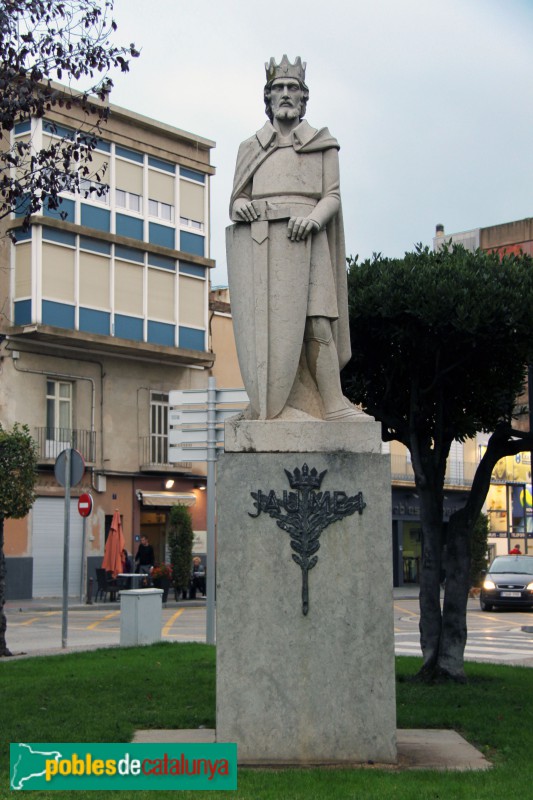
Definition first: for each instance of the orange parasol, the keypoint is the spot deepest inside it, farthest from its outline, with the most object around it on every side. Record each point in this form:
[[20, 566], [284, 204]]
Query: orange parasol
[[114, 546]]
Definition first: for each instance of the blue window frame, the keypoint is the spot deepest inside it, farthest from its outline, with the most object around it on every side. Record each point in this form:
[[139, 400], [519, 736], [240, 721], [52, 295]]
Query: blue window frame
[[192, 243], [20, 235], [129, 226], [192, 269], [192, 338], [23, 127], [58, 235], [162, 235], [132, 155], [161, 333], [192, 174], [22, 312], [98, 218], [23, 206], [104, 146], [161, 261], [129, 253], [159, 164], [65, 212], [60, 315], [58, 130], [95, 245], [128, 327], [94, 321]]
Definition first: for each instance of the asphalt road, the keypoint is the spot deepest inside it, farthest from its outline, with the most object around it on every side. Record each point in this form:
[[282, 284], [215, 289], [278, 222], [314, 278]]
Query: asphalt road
[[498, 636], [35, 631]]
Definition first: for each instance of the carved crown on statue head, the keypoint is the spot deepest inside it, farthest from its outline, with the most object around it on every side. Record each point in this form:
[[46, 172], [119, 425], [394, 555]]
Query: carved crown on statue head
[[285, 69]]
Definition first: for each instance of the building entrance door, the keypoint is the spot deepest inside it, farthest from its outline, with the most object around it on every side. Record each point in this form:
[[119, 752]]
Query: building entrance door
[[154, 527]]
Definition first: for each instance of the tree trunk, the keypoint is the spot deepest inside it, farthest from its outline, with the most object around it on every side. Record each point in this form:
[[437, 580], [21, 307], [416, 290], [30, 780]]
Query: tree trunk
[[4, 650], [454, 629], [430, 610], [450, 663]]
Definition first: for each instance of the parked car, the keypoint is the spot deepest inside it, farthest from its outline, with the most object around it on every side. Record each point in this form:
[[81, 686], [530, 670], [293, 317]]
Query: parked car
[[508, 582]]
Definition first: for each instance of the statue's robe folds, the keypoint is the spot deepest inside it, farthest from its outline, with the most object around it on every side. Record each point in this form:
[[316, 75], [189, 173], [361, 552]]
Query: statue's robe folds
[[275, 283]]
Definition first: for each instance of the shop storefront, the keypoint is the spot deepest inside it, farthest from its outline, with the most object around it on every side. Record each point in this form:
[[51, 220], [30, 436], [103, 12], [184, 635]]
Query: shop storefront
[[407, 540]]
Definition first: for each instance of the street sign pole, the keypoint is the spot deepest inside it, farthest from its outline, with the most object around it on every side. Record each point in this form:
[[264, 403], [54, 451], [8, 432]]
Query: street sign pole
[[66, 544], [68, 470], [82, 576], [197, 441], [85, 505], [211, 489]]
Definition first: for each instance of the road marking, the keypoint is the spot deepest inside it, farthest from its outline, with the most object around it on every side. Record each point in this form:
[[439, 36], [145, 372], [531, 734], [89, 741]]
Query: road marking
[[478, 647], [170, 622], [406, 611], [99, 621], [488, 618]]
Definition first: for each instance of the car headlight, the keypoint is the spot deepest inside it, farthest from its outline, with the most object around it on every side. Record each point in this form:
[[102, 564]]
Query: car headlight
[[488, 584], [530, 587]]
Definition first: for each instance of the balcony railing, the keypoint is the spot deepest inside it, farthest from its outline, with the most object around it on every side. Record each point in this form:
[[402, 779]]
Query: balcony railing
[[458, 473], [52, 441], [154, 455]]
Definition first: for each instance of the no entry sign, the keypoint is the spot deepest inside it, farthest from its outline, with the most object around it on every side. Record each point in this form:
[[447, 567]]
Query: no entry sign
[[85, 505]]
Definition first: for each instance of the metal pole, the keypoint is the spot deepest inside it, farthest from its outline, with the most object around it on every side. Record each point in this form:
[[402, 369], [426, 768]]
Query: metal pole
[[530, 403], [211, 489], [530, 397], [83, 570], [508, 514], [524, 514], [66, 537]]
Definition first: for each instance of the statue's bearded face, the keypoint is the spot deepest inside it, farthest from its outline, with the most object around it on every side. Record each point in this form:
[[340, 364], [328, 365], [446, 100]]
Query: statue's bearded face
[[286, 98]]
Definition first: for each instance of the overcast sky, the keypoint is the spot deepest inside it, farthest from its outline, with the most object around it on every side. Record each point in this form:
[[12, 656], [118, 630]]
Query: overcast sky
[[431, 101]]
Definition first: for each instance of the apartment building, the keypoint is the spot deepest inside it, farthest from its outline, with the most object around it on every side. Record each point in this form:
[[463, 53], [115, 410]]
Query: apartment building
[[105, 311]]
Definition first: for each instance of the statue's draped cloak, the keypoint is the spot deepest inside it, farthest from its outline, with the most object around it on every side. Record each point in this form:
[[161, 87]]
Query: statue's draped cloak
[[276, 284]]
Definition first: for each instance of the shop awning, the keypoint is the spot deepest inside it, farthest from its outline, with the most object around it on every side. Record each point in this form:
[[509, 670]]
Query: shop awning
[[166, 498]]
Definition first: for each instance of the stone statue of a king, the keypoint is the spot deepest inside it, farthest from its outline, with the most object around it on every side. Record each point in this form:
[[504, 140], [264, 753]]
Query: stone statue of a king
[[286, 260]]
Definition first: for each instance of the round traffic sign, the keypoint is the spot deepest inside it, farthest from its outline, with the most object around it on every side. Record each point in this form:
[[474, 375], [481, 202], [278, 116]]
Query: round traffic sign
[[85, 505], [77, 468]]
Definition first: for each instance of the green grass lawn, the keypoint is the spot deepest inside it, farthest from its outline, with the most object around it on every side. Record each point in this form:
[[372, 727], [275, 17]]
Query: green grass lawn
[[104, 695]]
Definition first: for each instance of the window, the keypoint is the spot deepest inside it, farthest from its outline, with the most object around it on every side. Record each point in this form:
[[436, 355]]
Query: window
[[191, 223], [161, 210], [158, 428], [129, 200], [58, 417], [455, 470], [92, 190]]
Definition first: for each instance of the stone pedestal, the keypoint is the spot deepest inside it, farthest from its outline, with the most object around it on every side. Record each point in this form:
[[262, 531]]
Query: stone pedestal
[[295, 687]]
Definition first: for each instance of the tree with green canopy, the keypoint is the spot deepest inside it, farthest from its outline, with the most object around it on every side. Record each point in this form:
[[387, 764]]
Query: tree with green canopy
[[18, 472], [440, 344]]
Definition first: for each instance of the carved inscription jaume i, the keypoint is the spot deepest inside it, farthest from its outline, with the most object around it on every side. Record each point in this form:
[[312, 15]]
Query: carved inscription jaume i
[[304, 514]]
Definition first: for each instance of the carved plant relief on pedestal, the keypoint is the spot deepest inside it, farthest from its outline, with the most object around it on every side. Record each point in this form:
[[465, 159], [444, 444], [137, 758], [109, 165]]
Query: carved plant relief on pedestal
[[304, 514]]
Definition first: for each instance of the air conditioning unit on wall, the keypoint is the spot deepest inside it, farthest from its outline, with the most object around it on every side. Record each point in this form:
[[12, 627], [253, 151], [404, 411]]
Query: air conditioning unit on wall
[[100, 483]]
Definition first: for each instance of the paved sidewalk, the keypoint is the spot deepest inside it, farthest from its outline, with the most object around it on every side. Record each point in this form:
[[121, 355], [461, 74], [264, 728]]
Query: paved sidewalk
[[37, 604]]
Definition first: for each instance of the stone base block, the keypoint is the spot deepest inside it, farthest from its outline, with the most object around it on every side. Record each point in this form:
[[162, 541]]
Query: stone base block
[[305, 688], [360, 434]]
